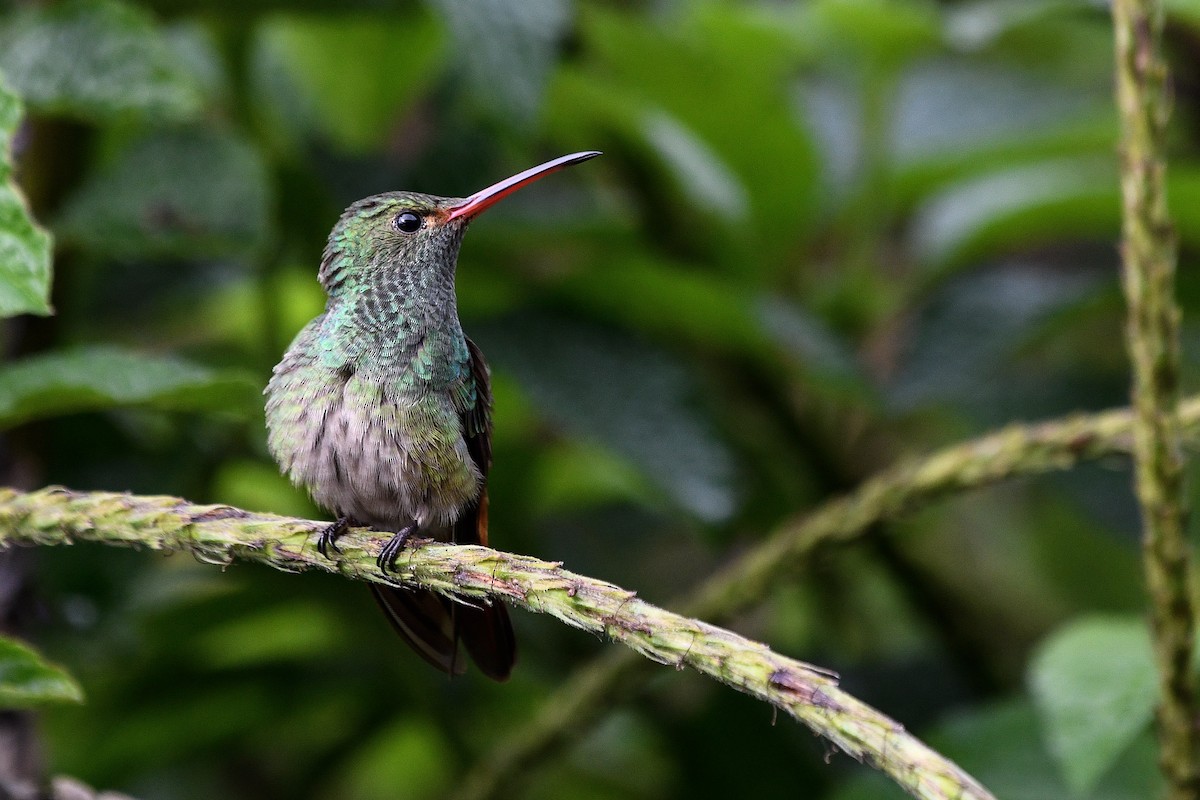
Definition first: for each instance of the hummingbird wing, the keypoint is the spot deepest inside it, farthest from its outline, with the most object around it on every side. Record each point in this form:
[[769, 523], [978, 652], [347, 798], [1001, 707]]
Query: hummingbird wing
[[485, 630], [471, 527], [431, 624]]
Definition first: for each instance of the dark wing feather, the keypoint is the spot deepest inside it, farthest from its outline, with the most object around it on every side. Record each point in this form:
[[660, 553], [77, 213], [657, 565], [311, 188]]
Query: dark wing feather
[[485, 630], [471, 527], [433, 625], [425, 621]]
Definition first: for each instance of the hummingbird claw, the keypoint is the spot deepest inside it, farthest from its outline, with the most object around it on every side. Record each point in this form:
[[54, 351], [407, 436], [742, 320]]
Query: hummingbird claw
[[328, 537], [391, 549]]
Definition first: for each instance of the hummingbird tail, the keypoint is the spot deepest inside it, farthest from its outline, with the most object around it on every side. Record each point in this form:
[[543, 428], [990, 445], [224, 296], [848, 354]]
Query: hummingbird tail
[[425, 622], [432, 625], [488, 635]]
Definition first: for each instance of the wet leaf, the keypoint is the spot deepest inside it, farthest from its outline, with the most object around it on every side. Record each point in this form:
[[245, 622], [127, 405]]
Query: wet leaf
[[349, 78], [24, 246], [1095, 687], [668, 89], [625, 396], [968, 336], [183, 193], [1049, 199], [508, 48], [120, 62], [93, 378], [26, 679]]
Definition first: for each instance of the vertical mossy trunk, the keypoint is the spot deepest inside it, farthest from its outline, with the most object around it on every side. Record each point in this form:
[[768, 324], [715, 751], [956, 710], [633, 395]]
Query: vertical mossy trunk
[[1148, 250]]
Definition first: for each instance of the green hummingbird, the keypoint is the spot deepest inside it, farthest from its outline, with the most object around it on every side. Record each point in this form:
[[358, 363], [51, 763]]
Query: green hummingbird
[[381, 406]]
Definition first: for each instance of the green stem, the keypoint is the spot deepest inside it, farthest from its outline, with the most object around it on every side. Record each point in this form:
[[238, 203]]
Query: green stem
[[220, 534], [1152, 332], [1016, 450]]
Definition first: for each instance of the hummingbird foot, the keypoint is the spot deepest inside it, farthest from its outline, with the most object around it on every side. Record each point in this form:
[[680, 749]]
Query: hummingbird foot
[[329, 536], [391, 550]]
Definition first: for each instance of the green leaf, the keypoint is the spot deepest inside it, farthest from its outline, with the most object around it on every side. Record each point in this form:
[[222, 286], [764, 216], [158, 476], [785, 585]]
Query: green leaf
[[1028, 204], [698, 171], [630, 398], [411, 754], [94, 378], [350, 78], [571, 475], [877, 32], [119, 62], [26, 679], [1095, 687], [683, 92], [966, 341], [1184, 12], [1000, 745], [24, 247], [952, 114], [183, 193], [816, 349], [1031, 202], [508, 47], [294, 631], [668, 300]]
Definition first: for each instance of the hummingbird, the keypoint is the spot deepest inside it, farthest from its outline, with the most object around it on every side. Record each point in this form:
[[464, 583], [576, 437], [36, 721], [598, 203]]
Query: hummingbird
[[381, 406]]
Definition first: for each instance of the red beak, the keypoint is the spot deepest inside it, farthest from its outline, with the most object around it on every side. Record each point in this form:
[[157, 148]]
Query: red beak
[[485, 198]]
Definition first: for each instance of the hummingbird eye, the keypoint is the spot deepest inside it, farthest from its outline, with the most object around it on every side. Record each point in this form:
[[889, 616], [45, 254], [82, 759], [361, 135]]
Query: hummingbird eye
[[408, 222]]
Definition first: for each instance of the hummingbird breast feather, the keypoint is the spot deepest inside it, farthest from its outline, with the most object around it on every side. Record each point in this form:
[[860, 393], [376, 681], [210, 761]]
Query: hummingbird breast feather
[[382, 453]]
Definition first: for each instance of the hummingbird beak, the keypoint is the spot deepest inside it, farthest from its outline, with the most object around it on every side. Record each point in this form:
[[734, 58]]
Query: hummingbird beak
[[485, 198]]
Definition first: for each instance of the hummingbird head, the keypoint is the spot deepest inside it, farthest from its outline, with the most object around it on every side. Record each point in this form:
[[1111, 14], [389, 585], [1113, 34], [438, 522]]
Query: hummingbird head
[[397, 236]]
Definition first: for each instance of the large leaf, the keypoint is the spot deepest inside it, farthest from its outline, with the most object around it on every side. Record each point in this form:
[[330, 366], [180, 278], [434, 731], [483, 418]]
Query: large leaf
[[1056, 198], [632, 399], [946, 107], [870, 33], [966, 340], [184, 193], [1018, 207], [408, 753], [103, 377], [24, 247], [95, 59], [953, 120], [1095, 686], [26, 679], [350, 79], [674, 303], [508, 47], [690, 92], [1000, 745]]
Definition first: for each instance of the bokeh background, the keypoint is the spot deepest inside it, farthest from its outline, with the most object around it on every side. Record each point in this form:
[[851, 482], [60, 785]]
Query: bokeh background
[[823, 236]]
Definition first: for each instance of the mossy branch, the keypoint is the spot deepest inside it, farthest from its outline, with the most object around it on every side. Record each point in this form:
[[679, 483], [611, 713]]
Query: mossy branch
[[1152, 332], [1010, 452], [221, 534]]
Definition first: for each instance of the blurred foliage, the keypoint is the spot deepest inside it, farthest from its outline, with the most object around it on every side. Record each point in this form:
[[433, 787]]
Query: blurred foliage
[[27, 680], [823, 236], [24, 247], [1093, 708]]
